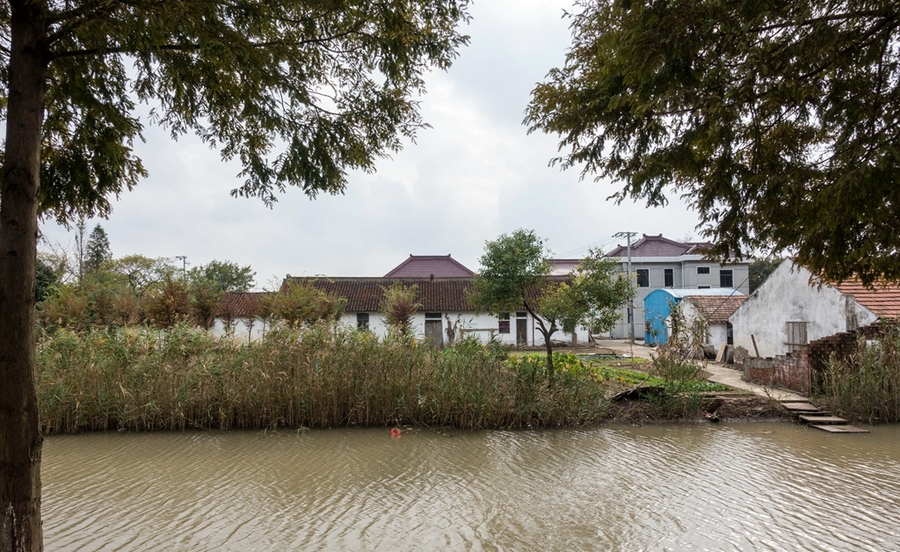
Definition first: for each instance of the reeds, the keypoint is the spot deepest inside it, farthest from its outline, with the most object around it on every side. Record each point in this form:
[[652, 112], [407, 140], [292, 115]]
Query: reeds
[[323, 376], [866, 385]]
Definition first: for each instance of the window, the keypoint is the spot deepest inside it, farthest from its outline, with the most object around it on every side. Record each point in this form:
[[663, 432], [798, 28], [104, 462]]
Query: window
[[702, 287], [702, 270], [432, 316], [643, 277], [521, 315], [504, 323], [726, 278], [362, 320], [670, 277], [796, 336]]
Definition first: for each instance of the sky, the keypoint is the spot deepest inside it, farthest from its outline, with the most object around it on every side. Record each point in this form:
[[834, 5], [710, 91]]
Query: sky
[[474, 175]]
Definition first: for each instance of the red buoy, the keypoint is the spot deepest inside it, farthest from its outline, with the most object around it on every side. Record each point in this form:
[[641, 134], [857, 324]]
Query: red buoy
[[395, 432]]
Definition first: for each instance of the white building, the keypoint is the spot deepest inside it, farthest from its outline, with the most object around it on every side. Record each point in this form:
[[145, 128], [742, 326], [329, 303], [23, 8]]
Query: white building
[[792, 308]]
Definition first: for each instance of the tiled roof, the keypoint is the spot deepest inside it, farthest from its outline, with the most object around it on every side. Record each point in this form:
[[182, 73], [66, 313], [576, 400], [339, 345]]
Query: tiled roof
[[426, 266], [241, 305], [883, 300], [658, 246], [717, 308], [365, 294]]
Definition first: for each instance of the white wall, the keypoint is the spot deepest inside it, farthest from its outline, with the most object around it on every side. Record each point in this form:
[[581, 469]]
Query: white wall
[[483, 326], [788, 296], [244, 330]]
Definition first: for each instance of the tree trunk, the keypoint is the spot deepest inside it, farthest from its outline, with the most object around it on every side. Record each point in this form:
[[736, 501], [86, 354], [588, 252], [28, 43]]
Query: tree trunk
[[20, 438]]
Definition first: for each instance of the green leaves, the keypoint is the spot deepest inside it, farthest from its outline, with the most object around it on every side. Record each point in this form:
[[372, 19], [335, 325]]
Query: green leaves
[[776, 121], [299, 91]]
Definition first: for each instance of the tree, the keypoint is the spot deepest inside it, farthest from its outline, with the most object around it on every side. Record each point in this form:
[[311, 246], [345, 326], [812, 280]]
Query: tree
[[298, 91], [225, 276], [514, 275], [776, 120], [299, 303], [97, 249], [399, 305]]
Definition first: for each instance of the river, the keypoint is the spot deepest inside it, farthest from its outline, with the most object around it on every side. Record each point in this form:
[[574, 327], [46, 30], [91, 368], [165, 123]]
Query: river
[[753, 486]]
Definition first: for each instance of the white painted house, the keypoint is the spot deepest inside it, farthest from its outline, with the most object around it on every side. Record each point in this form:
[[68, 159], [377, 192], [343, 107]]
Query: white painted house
[[792, 308]]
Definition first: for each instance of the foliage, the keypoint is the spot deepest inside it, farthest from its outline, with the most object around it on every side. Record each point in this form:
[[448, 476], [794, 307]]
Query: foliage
[[514, 276], [777, 121], [866, 385], [46, 281], [205, 298], [142, 273], [96, 250], [398, 304], [760, 270], [676, 362], [226, 276], [318, 376], [300, 303], [168, 304]]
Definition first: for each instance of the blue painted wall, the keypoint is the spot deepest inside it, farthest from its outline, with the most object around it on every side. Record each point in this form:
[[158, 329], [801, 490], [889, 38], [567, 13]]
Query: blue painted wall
[[657, 307]]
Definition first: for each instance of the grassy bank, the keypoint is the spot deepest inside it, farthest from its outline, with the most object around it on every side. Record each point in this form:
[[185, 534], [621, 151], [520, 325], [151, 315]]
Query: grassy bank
[[143, 379]]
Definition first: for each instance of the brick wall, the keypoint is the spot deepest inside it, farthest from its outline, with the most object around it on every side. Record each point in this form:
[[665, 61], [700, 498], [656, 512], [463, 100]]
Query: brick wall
[[802, 370]]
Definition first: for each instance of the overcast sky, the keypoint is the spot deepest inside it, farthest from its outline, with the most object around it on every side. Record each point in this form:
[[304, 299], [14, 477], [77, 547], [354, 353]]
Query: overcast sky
[[474, 175]]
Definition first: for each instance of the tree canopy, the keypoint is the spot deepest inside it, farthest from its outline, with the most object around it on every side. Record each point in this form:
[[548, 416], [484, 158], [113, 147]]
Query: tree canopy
[[514, 275], [97, 249], [226, 276], [297, 91], [777, 121]]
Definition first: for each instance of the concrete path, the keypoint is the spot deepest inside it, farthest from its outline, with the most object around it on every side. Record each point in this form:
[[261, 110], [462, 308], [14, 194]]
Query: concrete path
[[725, 374], [719, 373]]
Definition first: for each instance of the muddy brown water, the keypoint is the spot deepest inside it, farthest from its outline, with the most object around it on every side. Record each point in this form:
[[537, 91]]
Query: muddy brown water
[[755, 486]]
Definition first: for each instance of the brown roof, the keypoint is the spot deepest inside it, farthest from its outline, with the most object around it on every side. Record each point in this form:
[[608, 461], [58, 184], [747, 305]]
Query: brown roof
[[717, 308], [365, 294], [428, 266], [883, 300], [241, 305], [658, 246]]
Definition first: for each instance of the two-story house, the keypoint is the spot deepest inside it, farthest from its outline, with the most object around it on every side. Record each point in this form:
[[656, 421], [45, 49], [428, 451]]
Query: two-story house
[[658, 262]]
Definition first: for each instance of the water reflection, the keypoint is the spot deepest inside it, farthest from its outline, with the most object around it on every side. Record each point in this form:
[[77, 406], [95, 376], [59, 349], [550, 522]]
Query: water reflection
[[732, 487]]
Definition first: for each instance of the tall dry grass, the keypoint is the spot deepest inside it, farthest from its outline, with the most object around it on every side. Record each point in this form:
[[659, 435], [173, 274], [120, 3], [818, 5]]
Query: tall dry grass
[[866, 385], [324, 376]]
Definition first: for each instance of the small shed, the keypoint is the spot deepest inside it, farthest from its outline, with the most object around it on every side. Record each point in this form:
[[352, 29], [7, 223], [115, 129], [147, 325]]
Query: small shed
[[658, 306]]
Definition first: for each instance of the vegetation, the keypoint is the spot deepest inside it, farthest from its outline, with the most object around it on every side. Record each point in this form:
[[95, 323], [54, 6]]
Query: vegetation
[[224, 276], [96, 251], [866, 385], [399, 306], [771, 118], [514, 275], [297, 92], [321, 376]]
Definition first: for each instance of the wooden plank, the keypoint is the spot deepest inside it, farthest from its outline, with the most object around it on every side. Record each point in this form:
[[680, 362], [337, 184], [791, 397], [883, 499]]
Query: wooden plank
[[830, 420], [839, 428], [800, 407], [720, 357]]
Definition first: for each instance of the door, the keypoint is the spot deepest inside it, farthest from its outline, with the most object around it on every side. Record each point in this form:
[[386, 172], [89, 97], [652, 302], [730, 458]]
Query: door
[[521, 329], [434, 330]]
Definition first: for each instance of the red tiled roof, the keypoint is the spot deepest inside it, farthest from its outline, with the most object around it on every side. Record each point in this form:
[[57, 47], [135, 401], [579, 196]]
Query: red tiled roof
[[365, 294], [241, 305], [426, 266], [883, 300], [658, 246], [716, 307]]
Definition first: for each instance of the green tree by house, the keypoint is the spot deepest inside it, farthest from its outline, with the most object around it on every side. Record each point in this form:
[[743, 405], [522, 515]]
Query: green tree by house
[[514, 275], [226, 276], [399, 305], [775, 120]]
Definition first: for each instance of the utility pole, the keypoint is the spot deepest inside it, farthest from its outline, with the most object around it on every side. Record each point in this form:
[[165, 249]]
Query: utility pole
[[183, 259], [628, 235]]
